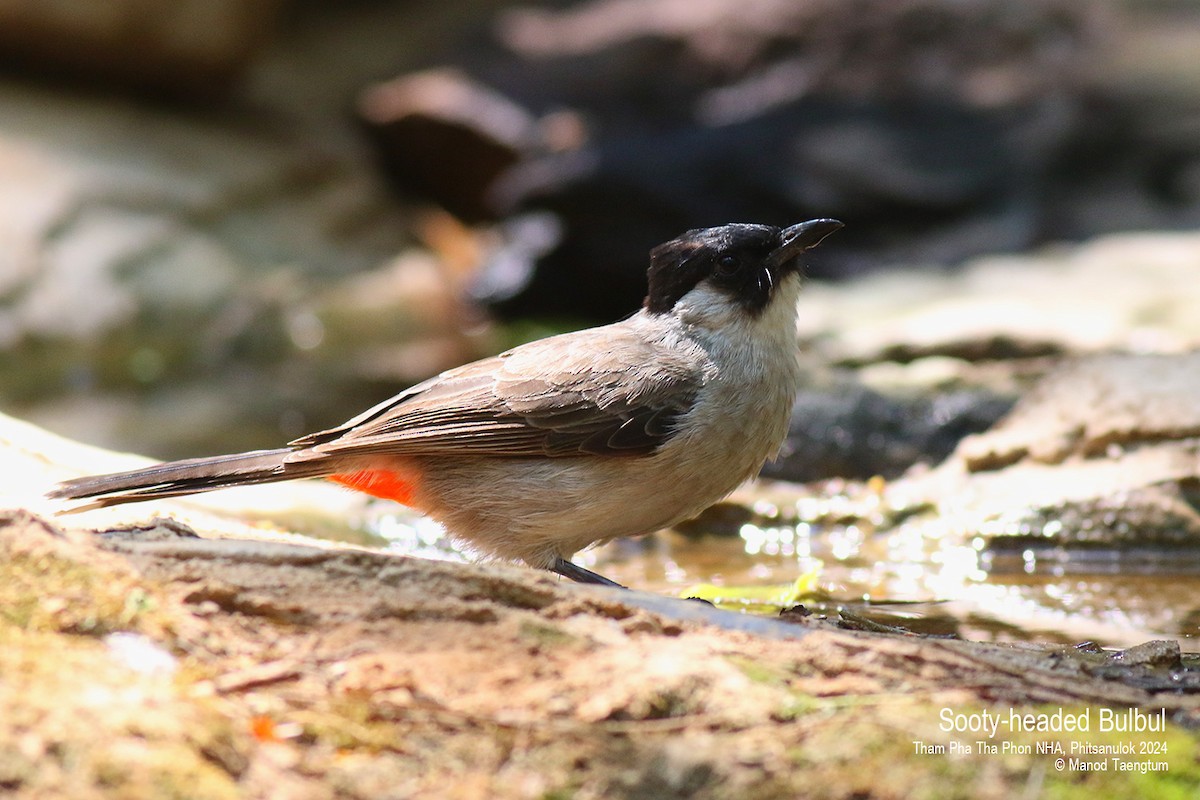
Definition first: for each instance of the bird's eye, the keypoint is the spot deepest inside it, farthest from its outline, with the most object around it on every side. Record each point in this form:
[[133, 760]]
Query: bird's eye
[[726, 265]]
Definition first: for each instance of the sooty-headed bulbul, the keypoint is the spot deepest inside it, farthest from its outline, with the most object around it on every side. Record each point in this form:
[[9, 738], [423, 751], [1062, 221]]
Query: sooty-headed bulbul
[[575, 439]]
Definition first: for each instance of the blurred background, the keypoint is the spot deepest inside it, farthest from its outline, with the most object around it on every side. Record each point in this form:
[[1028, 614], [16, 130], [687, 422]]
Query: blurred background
[[225, 223]]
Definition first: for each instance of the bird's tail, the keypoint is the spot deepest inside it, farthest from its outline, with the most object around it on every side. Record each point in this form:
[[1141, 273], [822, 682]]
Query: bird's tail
[[193, 475]]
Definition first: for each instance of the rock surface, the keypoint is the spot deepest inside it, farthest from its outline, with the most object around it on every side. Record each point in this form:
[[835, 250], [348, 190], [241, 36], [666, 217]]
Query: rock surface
[[1131, 292], [171, 274], [1094, 407], [155, 662], [204, 253], [1102, 453], [182, 48], [844, 428], [904, 366]]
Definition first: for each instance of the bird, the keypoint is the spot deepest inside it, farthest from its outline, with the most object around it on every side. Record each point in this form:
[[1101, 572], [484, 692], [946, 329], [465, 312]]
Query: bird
[[575, 439]]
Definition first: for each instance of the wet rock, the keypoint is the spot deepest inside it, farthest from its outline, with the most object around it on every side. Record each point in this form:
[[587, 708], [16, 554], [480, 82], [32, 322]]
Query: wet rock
[[1106, 405], [1159, 653], [850, 430], [1156, 665], [1103, 455], [904, 366]]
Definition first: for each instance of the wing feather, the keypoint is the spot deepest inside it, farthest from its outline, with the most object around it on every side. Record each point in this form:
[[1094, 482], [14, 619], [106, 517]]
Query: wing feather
[[590, 392]]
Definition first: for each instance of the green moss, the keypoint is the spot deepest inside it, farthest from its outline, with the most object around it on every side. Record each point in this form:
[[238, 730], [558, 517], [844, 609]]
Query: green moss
[[107, 732], [668, 703], [43, 592], [160, 771], [872, 750], [351, 723], [796, 707], [757, 671], [545, 635]]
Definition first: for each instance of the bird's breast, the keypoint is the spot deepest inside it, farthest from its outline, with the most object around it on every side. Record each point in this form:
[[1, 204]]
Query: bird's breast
[[741, 415]]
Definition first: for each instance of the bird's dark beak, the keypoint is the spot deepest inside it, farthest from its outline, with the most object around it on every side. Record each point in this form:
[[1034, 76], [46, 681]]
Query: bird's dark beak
[[799, 238]]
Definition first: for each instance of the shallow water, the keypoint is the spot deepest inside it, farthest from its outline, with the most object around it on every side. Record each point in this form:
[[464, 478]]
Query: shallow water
[[1114, 599], [901, 577]]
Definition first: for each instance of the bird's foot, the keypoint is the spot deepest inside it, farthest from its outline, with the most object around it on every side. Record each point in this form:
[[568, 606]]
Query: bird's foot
[[580, 575]]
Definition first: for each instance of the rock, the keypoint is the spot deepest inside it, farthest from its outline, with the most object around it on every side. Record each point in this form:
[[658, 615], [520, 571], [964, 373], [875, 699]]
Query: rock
[[1150, 654], [142, 272], [1103, 454], [1095, 407], [1126, 292], [190, 277], [188, 47], [904, 366], [216, 668], [617, 197], [1077, 515], [447, 138], [886, 114], [37, 459], [850, 430]]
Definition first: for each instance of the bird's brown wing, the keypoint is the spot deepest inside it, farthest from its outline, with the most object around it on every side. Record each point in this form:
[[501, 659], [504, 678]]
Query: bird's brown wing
[[602, 391]]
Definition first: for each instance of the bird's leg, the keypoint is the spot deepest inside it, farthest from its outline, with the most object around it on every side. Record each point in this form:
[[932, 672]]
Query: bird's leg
[[580, 575]]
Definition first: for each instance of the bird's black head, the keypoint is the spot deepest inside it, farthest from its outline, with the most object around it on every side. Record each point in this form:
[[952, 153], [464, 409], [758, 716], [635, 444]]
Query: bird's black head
[[745, 261]]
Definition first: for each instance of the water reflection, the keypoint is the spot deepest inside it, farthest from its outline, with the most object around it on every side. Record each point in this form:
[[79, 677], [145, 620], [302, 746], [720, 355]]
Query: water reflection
[[914, 574], [921, 577]]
